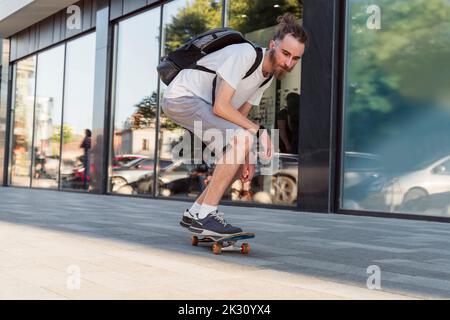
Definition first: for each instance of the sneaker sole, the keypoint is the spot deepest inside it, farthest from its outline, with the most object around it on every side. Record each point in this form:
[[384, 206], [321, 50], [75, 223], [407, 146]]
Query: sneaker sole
[[204, 232], [185, 225]]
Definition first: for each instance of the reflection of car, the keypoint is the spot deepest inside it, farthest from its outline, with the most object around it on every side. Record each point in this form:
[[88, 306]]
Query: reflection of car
[[131, 172], [433, 204], [123, 159], [75, 178], [174, 177], [427, 178], [363, 179], [284, 178]]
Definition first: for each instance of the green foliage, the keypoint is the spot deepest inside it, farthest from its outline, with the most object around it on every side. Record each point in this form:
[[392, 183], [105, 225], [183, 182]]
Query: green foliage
[[191, 20], [243, 15], [248, 16], [395, 72], [67, 134], [146, 109]]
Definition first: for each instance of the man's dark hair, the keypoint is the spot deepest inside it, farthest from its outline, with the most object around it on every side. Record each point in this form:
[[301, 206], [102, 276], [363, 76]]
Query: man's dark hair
[[288, 24]]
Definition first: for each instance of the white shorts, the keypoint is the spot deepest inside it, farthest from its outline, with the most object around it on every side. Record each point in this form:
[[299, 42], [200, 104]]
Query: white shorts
[[186, 110]]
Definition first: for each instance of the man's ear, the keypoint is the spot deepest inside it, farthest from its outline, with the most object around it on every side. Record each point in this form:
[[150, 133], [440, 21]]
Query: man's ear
[[272, 44]]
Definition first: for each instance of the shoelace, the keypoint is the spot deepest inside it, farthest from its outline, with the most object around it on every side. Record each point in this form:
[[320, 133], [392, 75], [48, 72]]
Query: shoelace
[[219, 217]]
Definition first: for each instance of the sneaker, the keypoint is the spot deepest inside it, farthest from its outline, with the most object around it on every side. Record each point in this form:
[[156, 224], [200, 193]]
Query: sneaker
[[186, 219], [213, 225]]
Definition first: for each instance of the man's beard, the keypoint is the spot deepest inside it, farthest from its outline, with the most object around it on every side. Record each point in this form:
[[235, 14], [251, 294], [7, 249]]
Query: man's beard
[[278, 71]]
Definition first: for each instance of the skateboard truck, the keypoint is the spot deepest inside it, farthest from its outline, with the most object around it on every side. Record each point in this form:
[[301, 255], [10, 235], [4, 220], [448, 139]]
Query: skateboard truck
[[226, 243]]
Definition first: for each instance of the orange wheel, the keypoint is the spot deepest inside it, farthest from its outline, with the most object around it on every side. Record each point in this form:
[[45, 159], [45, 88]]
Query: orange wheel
[[194, 241], [245, 248], [217, 248]]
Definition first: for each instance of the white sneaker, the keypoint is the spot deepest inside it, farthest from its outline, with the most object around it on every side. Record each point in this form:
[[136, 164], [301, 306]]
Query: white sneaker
[[186, 219]]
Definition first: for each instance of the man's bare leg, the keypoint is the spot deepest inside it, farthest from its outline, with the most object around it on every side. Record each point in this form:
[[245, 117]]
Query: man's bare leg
[[226, 169], [202, 196]]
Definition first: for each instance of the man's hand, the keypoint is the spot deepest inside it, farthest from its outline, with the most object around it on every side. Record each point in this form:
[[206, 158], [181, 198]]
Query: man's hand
[[266, 145], [248, 171]]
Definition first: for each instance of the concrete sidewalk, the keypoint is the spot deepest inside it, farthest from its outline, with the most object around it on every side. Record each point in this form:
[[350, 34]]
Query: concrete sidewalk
[[131, 248]]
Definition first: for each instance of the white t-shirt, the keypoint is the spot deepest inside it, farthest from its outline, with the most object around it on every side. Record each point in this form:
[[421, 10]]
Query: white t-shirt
[[231, 64]]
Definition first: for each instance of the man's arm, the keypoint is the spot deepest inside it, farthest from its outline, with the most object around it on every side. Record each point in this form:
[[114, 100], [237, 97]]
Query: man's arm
[[245, 109], [223, 108]]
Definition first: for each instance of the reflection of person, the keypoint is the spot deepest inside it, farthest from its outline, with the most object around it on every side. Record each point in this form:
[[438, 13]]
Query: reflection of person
[[287, 123], [39, 163], [86, 146], [198, 176], [189, 98]]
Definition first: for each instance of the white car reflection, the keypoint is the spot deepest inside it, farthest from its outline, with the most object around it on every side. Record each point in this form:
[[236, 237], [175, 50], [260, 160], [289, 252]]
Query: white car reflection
[[427, 178], [130, 172]]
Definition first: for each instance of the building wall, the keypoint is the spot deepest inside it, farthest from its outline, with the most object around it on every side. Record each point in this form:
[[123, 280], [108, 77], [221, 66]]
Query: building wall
[[52, 30]]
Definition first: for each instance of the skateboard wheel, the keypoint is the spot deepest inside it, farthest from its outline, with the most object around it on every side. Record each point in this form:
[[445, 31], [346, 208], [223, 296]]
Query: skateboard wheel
[[217, 248], [245, 248], [194, 240]]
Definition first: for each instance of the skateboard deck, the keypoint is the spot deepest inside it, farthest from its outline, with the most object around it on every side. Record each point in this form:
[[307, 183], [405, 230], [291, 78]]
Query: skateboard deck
[[224, 243]]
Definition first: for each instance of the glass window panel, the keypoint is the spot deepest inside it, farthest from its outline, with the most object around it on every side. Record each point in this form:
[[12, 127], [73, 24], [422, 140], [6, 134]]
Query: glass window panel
[[279, 107], [77, 114], [182, 20], [23, 103], [47, 122], [135, 102], [397, 107]]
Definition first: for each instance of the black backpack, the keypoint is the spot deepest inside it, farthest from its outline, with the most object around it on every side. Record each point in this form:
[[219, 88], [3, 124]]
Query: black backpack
[[186, 56]]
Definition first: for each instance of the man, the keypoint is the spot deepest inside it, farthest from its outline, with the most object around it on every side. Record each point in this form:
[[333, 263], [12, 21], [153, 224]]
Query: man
[[188, 98]]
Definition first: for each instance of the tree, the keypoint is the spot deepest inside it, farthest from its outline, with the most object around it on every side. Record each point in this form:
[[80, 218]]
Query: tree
[[396, 86], [243, 15], [146, 113]]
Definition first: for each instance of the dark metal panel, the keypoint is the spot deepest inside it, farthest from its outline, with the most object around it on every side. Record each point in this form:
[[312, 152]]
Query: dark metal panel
[[4, 90], [23, 43], [318, 105], [100, 129], [34, 37], [116, 9], [74, 31], [13, 48], [63, 23], [94, 13], [87, 13], [46, 32], [132, 5], [57, 35]]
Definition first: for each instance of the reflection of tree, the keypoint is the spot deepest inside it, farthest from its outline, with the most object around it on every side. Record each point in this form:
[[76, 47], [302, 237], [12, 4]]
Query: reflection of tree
[[247, 16], [146, 113], [243, 15], [192, 20], [396, 71], [67, 134]]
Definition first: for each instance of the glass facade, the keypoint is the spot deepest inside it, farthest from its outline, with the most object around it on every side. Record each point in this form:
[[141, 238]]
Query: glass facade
[[395, 150], [396, 140], [181, 21], [52, 111], [78, 112], [279, 107], [47, 119], [135, 95], [135, 104], [23, 111], [256, 20]]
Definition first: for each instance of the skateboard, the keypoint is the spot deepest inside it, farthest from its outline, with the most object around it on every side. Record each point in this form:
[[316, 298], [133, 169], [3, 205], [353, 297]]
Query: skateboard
[[224, 243]]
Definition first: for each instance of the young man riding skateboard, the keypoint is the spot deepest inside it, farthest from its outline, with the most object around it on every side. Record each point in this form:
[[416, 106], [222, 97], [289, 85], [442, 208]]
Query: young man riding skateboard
[[189, 98]]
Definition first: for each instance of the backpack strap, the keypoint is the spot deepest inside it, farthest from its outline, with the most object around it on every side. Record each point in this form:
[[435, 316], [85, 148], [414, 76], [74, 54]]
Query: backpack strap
[[265, 81], [258, 60], [213, 96], [259, 57]]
